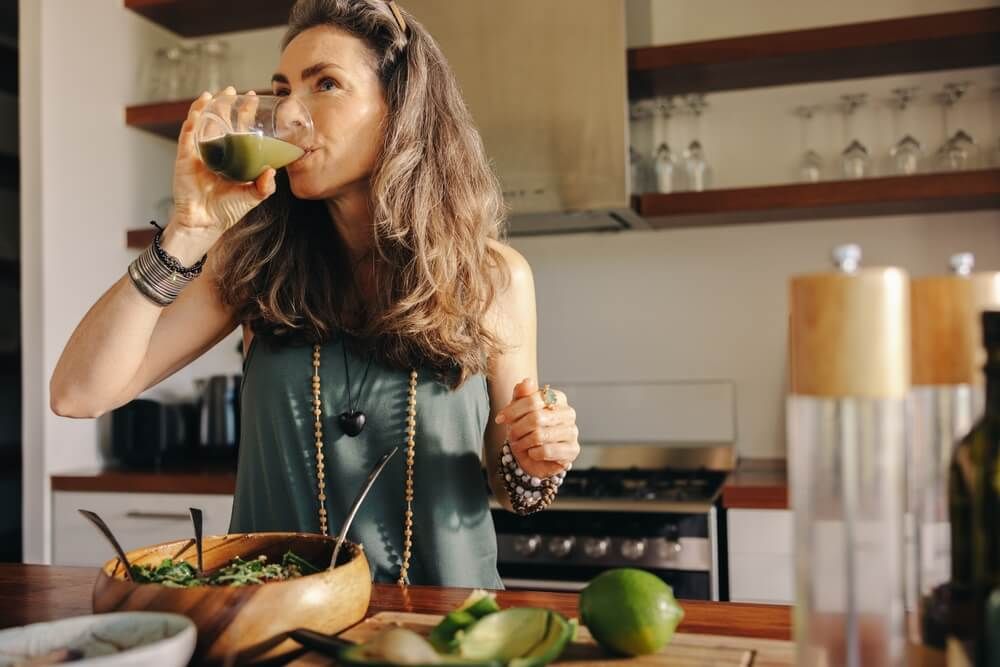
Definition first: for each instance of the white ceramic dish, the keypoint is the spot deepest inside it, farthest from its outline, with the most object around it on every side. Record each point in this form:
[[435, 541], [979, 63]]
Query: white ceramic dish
[[105, 640]]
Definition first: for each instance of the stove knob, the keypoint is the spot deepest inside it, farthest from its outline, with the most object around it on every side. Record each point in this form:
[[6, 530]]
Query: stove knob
[[633, 549], [560, 547], [669, 549], [526, 545], [596, 547]]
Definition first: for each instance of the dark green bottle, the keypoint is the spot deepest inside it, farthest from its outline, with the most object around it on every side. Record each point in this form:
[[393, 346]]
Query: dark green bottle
[[974, 511]]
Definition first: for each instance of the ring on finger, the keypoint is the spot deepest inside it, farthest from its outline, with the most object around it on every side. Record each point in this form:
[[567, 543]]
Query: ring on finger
[[549, 397]]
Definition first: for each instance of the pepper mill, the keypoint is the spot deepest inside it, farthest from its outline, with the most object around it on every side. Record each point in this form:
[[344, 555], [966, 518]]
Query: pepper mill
[[849, 362], [947, 400]]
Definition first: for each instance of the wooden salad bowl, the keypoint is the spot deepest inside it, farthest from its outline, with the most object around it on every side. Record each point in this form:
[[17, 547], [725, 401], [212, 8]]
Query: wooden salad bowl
[[244, 624]]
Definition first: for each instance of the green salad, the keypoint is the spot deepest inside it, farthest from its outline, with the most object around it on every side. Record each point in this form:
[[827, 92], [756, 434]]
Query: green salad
[[239, 572]]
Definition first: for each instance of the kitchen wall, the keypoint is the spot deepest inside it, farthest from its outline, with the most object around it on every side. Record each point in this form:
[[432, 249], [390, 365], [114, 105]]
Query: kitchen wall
[[86, 178], [670, 305]]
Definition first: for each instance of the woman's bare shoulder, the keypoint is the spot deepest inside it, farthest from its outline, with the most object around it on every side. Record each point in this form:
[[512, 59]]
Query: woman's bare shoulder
[[518, 269], [513, 308]]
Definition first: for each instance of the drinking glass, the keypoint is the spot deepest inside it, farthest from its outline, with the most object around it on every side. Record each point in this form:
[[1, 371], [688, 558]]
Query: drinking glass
[[855, 161], [958, 151], [697, 171], [907, 154], [811, 163], [240, 136], [641, 162], [666, 164]]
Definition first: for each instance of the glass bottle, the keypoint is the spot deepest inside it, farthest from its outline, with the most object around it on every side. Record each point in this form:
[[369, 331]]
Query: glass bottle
[[974, 511]]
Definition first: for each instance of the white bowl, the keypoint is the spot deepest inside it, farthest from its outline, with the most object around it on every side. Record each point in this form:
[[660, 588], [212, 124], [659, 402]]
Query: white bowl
[[106, 640]]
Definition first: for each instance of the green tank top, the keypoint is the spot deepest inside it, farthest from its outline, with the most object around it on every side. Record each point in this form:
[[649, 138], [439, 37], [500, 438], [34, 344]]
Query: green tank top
[[454, 543]]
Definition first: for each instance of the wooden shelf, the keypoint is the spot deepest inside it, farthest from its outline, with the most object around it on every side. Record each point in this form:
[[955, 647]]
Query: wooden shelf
[[893, 195], [921, 43], [140, 238], [164, 118], [193, 18]]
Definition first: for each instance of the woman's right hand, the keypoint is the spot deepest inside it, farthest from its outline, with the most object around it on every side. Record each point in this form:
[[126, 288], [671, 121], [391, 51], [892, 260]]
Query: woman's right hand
[[206, 204]]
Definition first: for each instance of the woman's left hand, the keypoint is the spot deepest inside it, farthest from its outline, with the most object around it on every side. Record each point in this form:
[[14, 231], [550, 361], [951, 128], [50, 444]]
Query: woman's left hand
[[544, 440]]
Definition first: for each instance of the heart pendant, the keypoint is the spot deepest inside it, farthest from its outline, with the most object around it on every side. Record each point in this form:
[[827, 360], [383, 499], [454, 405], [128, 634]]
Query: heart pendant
[[351, 422]]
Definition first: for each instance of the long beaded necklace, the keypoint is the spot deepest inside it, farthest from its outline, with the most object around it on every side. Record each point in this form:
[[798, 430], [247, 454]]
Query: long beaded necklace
[[411, 432]]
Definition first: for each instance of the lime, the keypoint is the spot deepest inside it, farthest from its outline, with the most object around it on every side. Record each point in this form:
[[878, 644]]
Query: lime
[[629, 611]]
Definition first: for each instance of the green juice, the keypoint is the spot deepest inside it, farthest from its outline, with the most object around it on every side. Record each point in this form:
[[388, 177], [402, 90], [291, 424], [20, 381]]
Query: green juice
[[244, 156]]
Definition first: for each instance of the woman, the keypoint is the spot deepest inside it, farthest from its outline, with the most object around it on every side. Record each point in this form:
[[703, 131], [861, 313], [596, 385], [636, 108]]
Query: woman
[[378, 310]]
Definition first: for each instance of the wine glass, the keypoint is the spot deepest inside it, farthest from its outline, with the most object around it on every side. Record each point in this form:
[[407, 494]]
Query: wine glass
[[811, 162], [697, 171], [240, 136], [959, 151], [855, 162], [906, 154], [666, 164], [640, 162]]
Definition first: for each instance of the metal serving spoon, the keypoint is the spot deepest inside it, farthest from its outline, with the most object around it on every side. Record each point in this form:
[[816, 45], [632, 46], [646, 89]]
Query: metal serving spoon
[[196, 519], [365, 488], [103, 527]]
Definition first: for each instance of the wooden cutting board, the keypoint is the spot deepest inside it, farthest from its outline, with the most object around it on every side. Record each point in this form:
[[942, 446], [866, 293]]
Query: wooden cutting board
[[685, 650]]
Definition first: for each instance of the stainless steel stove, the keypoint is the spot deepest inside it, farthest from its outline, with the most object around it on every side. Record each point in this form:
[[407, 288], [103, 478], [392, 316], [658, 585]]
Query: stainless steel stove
[[622, 506]]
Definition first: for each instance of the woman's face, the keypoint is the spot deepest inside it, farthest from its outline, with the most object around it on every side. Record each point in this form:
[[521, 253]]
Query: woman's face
[[333, 73]]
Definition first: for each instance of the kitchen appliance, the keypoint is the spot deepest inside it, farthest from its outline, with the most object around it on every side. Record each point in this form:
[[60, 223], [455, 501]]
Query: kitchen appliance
[[150, 434], [219, 417], [546, 85], [645, 506], [849, 362]]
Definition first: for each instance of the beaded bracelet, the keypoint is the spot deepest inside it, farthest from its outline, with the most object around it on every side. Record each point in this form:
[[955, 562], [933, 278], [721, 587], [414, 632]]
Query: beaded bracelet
[[527, 494], [172, 262]]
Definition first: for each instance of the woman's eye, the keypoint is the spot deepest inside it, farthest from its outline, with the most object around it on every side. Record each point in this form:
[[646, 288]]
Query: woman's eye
[[327, 84], [281, 93]]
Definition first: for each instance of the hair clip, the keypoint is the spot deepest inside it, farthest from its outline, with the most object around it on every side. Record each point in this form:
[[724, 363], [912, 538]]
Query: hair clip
[[398, 15]]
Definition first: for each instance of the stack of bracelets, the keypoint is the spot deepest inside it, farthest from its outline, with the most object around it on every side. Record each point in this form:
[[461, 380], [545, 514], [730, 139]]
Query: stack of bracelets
[[527, 494], [159, 276]]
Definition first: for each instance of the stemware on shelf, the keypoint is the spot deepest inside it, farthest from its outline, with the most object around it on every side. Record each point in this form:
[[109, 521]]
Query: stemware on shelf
[[810, 167], [666, 163], [640, 161], [855, 160], [958, 150], [697, 170], [907, 154]]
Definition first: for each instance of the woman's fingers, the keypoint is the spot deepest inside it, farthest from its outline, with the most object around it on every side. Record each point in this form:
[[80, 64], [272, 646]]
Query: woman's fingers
[[526, 404], [265, 184], [556, 452], [540, 428], [247, 112], [187, 141]]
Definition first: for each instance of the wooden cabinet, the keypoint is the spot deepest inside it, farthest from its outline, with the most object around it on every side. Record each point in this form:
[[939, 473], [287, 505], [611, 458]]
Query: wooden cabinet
[[137, 519], [761, 563]]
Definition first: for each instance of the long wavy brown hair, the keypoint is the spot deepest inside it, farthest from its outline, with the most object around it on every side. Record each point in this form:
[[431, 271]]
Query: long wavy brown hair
[[436, 205]]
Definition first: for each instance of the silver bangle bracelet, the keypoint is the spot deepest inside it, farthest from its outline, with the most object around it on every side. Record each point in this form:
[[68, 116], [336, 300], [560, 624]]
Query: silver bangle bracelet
[[155, 280]]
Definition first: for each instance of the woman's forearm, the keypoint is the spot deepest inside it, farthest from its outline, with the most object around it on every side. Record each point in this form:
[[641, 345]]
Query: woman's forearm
[[104, 353]]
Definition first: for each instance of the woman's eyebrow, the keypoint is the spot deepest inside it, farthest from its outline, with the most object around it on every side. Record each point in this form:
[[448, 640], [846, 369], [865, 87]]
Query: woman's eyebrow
[[313, 70], [307, 73]]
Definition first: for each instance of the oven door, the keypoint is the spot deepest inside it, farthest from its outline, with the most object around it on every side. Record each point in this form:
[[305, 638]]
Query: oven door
[[686, 585], [563, 550]]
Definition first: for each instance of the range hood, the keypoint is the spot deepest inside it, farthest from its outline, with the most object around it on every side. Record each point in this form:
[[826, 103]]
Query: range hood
[[546, 83]]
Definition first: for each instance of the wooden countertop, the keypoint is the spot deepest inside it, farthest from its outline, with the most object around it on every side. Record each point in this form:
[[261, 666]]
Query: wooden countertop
[[757, 484], [208, 479], [33, 593]]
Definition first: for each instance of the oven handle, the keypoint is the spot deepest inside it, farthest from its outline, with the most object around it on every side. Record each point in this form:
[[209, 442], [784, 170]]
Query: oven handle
[[570, 586]]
